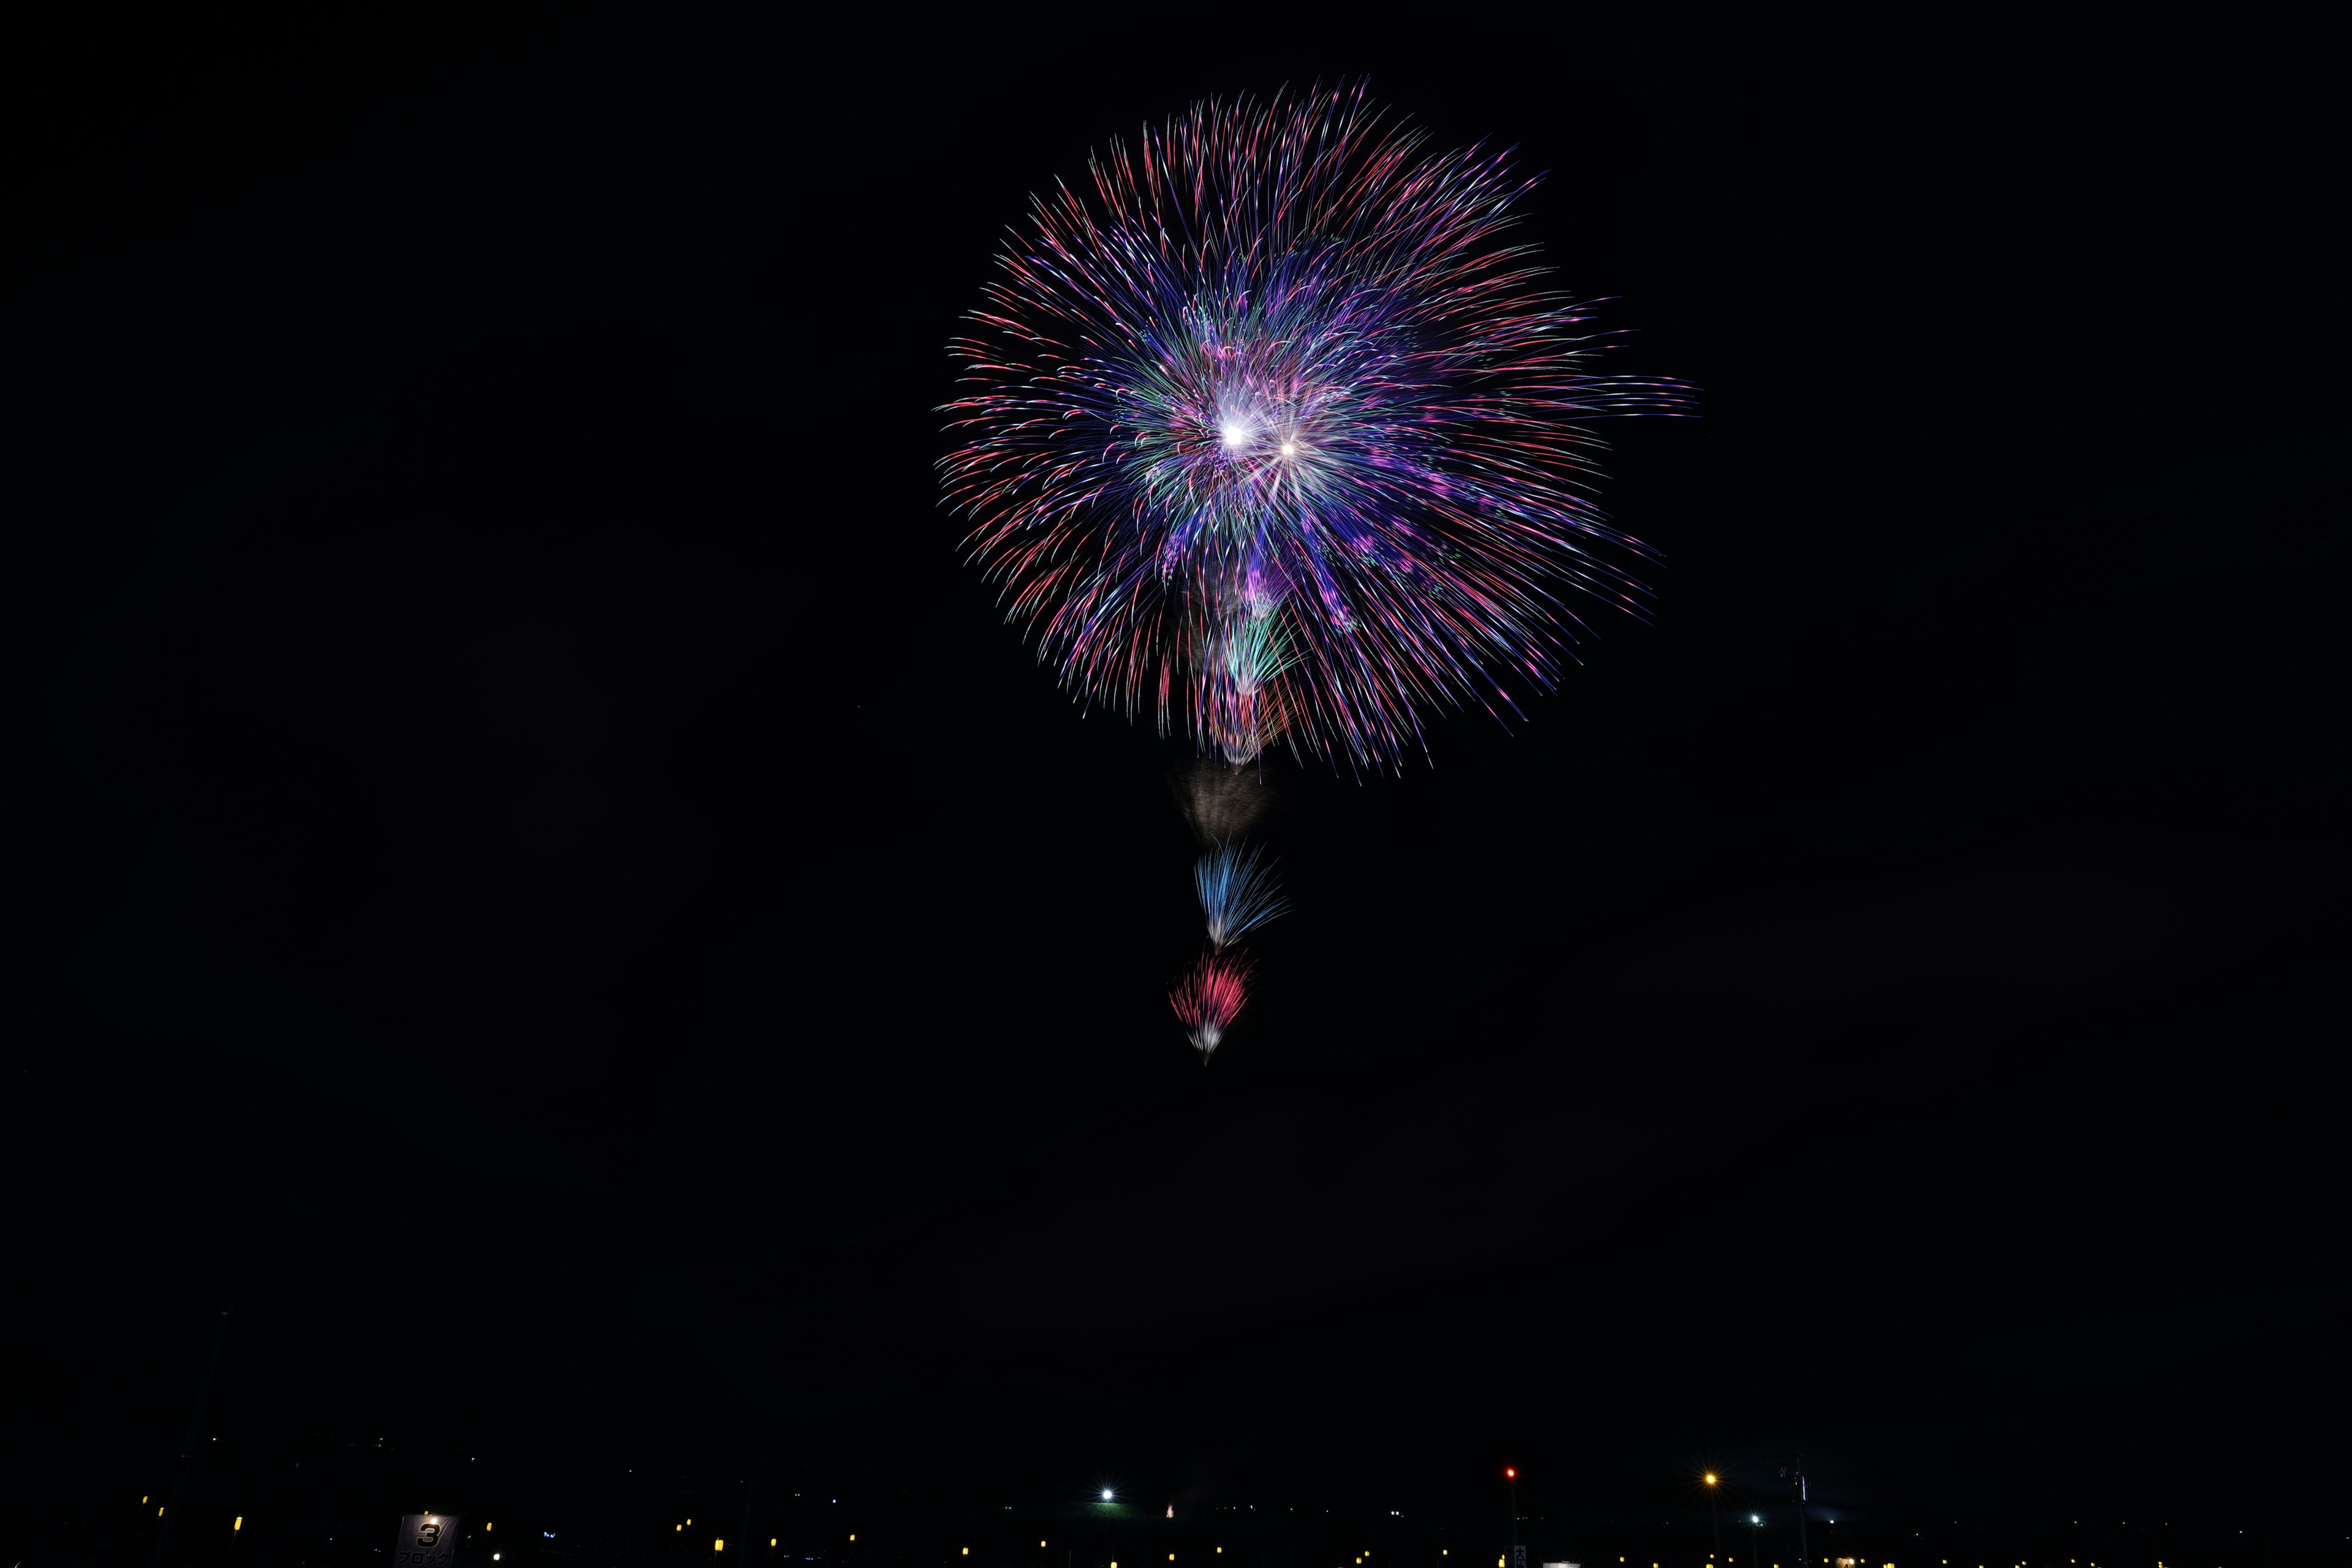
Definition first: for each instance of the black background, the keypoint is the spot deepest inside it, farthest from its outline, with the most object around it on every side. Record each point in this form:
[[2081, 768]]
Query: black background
[[551, 893]]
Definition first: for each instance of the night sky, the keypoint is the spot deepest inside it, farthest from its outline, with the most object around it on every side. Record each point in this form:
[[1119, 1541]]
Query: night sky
[[546, 888]]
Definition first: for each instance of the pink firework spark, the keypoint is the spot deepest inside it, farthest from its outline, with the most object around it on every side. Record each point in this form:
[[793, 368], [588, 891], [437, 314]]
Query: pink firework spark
[[1208, 998]]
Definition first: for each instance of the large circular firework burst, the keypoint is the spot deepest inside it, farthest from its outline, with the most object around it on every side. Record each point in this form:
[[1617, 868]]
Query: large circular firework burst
[[1269, 429]]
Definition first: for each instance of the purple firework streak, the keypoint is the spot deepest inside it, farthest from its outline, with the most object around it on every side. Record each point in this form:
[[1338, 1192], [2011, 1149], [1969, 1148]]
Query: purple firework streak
[[1269, 429]]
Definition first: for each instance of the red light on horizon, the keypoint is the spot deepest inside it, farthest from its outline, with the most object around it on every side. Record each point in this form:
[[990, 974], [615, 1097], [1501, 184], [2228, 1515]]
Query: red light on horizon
[[1510, 1473]]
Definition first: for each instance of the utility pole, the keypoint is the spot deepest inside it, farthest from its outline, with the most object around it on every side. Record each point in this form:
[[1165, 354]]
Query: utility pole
[[1511, 1474], [1794, 1472], [188, 1448]]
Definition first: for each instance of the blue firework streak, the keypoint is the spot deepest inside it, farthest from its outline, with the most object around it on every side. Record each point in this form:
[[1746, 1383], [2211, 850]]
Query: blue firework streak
[[1237, 893], [1268, 430]]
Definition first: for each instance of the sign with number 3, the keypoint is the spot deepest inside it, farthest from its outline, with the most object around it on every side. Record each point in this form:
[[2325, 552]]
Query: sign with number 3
[[428, 1539]]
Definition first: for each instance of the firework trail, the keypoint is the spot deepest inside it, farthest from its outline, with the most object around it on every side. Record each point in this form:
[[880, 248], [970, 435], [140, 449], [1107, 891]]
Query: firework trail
[[1267, 426], [1208, 998], [1237, 893]]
